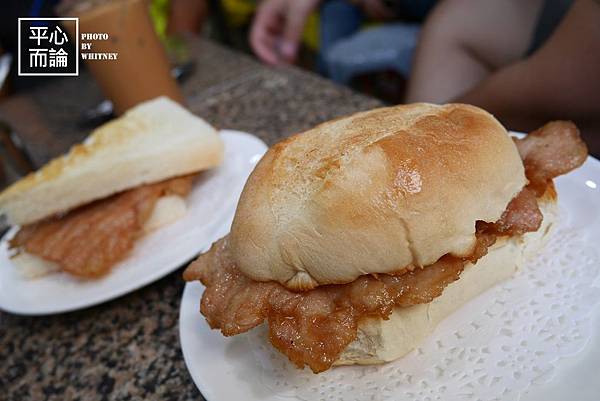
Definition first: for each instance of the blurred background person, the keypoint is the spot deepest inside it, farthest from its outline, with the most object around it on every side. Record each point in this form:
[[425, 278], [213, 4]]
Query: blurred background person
[[368, 36], [356, 38], [527, 62]]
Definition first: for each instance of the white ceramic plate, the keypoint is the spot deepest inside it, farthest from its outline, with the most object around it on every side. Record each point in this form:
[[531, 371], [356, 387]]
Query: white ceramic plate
[[211, 205], [226, 368]]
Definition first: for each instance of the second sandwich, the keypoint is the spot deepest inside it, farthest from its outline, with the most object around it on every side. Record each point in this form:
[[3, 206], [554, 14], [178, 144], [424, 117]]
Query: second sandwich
[[83, 212]]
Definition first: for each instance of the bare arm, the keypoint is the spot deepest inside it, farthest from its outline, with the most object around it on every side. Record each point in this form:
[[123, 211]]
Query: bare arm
[[559, 81]]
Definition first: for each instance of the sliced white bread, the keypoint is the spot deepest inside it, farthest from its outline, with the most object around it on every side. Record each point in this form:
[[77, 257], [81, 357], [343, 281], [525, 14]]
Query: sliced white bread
[[154, 141]]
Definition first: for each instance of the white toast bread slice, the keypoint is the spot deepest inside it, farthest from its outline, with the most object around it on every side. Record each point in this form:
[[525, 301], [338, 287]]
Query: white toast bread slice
[[153, 141]]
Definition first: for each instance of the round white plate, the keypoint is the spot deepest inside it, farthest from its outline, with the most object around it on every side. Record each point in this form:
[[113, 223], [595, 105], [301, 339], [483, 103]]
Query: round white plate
[[226, 368], [211, 206]]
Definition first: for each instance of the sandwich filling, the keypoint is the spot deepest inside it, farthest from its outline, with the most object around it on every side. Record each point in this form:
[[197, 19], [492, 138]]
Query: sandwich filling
[[89, 240], [314, 327]]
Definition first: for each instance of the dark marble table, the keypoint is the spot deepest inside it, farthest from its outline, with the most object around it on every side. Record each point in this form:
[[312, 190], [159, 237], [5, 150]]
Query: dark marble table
[[128, 349]]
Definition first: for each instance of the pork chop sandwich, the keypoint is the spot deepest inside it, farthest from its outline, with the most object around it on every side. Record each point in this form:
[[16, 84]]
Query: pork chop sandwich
[[83, 212], [354, 239]]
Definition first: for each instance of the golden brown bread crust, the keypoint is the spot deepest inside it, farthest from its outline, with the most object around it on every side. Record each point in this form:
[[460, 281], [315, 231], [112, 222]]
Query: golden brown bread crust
[[373, 193]]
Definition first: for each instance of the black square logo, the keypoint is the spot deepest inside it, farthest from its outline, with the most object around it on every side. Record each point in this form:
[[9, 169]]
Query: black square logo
[[45, 49]]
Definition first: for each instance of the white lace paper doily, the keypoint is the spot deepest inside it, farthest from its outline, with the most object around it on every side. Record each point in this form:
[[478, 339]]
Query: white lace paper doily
[[492, 349]]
